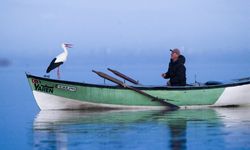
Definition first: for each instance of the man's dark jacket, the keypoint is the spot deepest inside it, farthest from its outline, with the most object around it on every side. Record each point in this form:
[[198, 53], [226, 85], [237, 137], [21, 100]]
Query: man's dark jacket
[[177, 72]]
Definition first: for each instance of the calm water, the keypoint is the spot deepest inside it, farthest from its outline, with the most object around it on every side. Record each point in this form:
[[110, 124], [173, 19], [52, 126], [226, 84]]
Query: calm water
[[24, 126]]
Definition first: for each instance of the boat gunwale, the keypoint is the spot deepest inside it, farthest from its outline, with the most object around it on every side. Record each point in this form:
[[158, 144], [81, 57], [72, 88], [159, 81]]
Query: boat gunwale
[[142, 87]]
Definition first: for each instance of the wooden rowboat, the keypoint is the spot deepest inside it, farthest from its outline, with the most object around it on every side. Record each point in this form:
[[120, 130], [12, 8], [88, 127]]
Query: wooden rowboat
[[60, 94]]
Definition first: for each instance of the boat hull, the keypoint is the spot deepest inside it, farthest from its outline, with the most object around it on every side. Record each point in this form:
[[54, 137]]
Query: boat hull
[[58, 94]]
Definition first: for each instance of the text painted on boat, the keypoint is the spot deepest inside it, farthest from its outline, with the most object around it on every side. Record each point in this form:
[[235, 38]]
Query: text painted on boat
[[66, 88], [42, 87]]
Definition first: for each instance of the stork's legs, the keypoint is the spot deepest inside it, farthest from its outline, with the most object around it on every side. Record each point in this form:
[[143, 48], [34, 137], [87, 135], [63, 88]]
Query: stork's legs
[[58, 72]]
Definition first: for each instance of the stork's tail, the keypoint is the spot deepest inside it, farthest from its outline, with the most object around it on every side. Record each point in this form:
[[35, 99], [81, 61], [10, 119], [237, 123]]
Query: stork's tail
[[53, 65]]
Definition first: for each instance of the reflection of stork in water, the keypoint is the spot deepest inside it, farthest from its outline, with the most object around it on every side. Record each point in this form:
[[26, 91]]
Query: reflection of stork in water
[[59, 60]]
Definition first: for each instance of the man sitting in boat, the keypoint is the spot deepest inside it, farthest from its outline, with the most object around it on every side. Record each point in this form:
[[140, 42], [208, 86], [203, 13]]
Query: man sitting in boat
[[176, 69]]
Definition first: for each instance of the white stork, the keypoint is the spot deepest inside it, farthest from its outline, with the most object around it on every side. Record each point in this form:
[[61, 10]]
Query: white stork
[[59, 60]]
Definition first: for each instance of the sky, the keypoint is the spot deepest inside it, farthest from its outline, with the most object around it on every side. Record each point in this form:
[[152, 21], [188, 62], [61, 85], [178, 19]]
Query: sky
[[128, 32]]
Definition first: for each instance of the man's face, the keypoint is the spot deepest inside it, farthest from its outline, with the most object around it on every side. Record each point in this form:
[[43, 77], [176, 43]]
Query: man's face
[[174, 56]]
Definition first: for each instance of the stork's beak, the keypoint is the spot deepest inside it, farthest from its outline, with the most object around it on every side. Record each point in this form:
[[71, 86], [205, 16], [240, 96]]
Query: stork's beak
[[68, 45]]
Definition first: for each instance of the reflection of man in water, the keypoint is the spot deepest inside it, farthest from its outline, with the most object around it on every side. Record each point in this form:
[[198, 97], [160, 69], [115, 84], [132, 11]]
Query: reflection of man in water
[[176, 70], [178, 134]]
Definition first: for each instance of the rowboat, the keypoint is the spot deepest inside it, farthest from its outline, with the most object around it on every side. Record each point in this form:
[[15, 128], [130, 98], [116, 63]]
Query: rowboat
[[60, 94]]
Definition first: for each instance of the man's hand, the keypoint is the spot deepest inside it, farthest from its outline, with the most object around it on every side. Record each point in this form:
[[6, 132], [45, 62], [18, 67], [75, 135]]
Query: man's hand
[[163, 75]]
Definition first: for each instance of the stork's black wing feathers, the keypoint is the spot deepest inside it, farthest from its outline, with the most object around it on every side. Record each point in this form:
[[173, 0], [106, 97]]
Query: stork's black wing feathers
[[53, 65]]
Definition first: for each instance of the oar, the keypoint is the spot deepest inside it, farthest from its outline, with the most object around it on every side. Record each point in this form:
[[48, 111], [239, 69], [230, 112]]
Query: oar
[[119, 74], [112, 79]]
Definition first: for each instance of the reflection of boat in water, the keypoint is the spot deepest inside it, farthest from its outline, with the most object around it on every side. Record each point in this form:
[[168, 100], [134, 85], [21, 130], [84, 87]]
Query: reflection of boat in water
[[236, 127], [129, 129], [54, 128], [176, 129], [60, 94], [46, 118]]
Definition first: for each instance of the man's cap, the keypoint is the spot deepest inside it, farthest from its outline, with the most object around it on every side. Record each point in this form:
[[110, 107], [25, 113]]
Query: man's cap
[[176, 50]]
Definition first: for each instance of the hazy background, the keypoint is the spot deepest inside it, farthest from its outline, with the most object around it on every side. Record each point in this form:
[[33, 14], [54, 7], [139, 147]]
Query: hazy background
[[133, 36]]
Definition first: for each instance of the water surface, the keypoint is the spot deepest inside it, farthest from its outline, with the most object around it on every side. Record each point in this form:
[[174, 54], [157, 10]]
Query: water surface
[[24, 126], [183, 129]]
